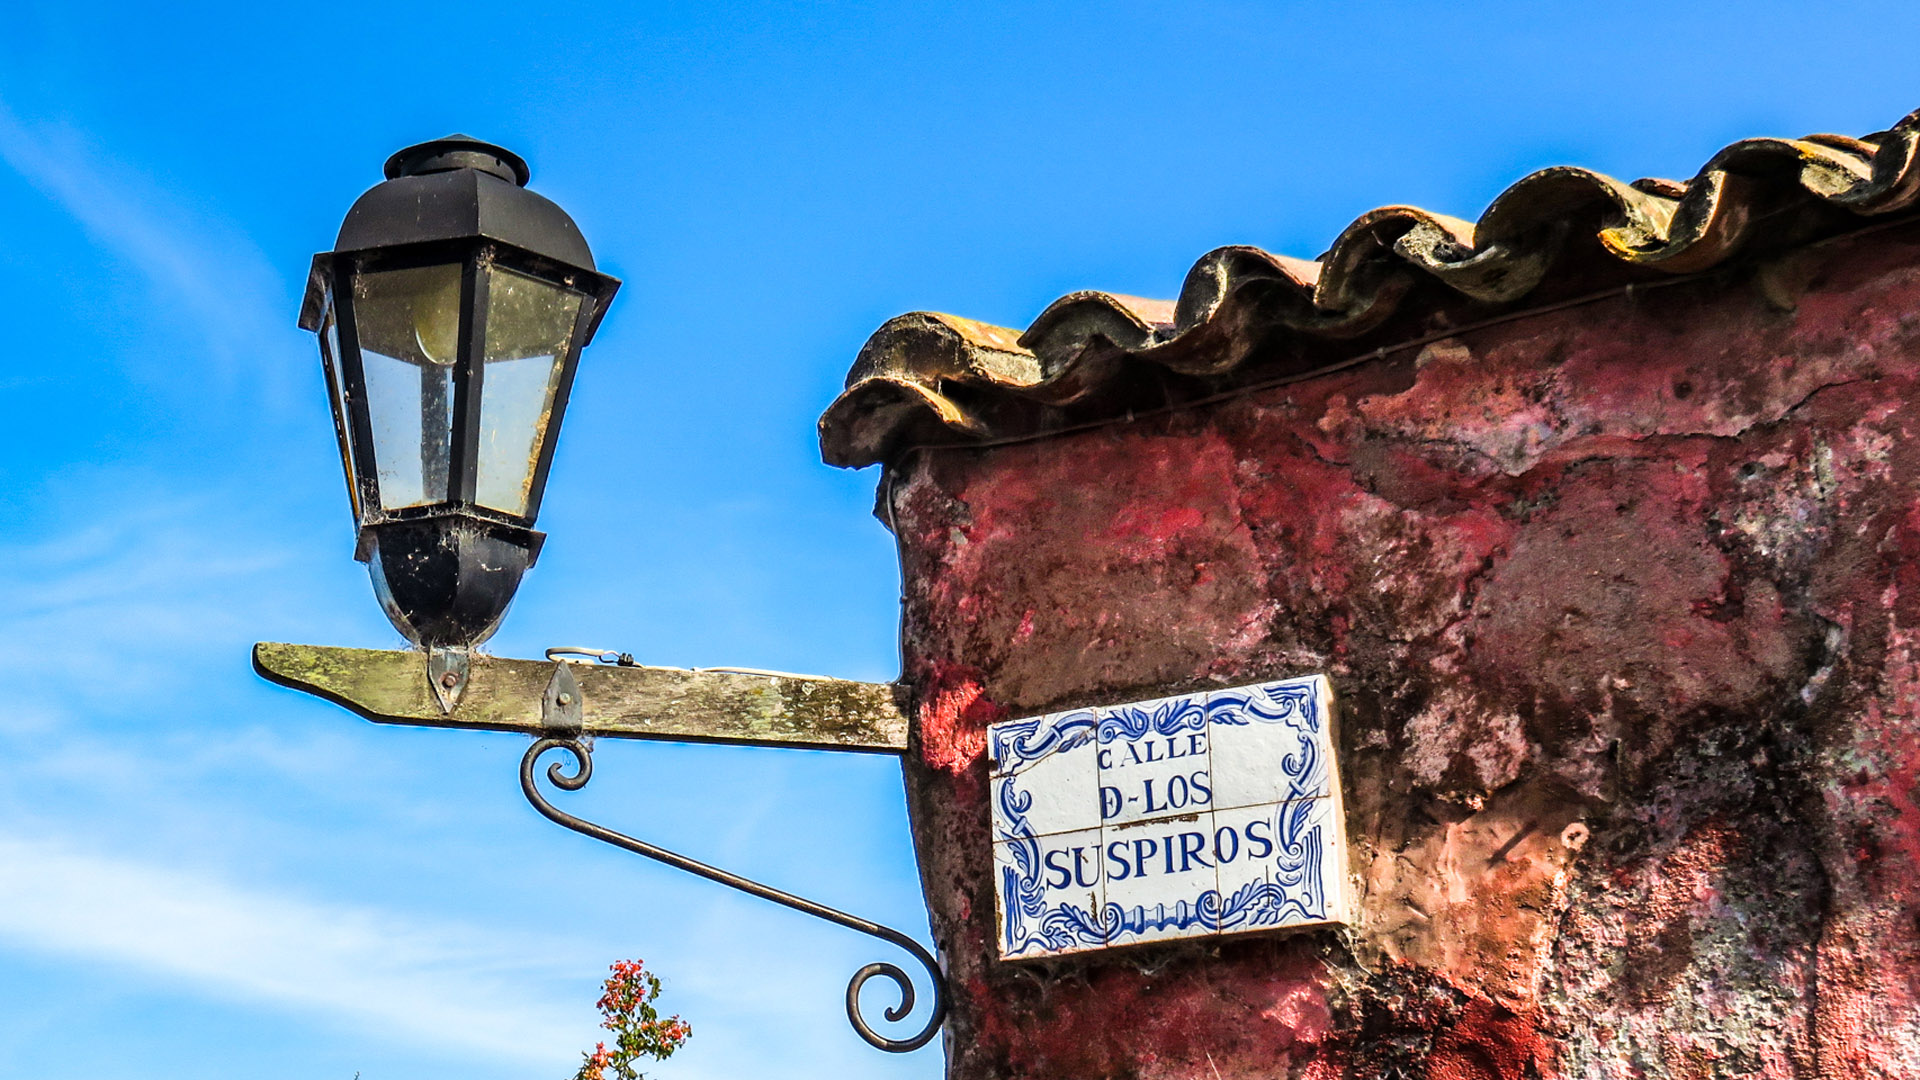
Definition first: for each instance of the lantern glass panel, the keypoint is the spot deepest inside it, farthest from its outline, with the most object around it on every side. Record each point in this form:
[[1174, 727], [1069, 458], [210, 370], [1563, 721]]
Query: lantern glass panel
[[529, 332], [337, 390], [408, 325]]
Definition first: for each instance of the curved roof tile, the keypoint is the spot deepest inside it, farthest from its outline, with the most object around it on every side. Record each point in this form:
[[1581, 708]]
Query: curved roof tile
[[928, 377]]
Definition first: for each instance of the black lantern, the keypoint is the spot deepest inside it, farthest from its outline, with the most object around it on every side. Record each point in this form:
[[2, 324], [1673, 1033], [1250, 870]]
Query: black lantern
[[451, 314]]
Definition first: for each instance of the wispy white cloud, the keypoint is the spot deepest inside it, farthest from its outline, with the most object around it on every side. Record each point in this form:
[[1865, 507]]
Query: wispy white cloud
[[147, 589], [137, 567], [142, 590], [213, 281], [435, 985]]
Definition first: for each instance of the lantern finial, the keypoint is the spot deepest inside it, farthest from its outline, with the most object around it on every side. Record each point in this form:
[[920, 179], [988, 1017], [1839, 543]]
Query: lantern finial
[[459, 152]]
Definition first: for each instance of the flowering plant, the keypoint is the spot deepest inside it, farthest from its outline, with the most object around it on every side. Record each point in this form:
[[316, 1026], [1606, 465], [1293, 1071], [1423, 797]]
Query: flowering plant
[[626, 1008]]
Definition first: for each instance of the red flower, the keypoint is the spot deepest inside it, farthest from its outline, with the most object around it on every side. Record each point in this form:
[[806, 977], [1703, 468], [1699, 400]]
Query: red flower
[[626, 1009]]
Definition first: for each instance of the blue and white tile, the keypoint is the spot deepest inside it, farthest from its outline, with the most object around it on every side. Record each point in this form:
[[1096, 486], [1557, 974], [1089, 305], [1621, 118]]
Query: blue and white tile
[[1287, 866], [1153, 759], [1271, 742], [1014, 745], [1160, 882], [1049, 894], [1045, 775], [1155, 775]]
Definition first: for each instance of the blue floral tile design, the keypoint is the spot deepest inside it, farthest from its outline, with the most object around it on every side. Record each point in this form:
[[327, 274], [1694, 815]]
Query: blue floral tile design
[[1271, 742], [1052, 891], [1294, 881], [1044, 800]]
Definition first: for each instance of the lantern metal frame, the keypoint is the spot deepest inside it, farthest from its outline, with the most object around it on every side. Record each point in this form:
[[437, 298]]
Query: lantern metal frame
[[346, 372], [446, 568]]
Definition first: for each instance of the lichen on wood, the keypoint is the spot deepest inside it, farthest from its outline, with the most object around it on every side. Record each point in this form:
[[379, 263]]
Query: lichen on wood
[[631, 702]]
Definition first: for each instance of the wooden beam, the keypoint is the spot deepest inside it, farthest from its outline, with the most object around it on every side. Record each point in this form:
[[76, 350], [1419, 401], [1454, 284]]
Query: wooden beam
[[390, 687]]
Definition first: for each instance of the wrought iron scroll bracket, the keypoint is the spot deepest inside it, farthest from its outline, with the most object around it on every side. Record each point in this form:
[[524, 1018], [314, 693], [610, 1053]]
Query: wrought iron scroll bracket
[[582, 756]]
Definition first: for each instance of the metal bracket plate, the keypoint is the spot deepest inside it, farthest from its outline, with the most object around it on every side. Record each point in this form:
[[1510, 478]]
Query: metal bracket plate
[[447, 673], [562, 705]]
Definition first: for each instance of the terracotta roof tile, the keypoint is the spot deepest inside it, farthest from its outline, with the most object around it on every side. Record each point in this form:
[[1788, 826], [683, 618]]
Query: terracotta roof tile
[[1395, 272]]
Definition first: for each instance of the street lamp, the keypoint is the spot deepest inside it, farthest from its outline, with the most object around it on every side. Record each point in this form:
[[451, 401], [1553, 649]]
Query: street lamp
[[451, 313]]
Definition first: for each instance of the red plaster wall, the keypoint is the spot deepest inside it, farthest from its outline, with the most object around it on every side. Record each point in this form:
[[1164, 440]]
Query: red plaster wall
[[1623, 606]]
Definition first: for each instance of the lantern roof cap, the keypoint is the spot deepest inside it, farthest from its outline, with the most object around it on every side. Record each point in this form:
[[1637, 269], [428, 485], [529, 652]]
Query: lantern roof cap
[[449, 191], [459, 188]]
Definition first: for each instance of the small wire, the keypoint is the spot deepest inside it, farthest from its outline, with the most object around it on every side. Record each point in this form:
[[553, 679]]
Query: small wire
[[891, 470], [1380, 353], [579, 654]]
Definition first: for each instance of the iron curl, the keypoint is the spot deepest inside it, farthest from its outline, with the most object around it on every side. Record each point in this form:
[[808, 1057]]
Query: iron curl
[[898, 1012], [582, 755], [556, 772]]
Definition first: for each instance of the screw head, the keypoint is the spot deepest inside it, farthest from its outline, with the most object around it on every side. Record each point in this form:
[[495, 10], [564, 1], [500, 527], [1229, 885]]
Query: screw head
[[449, 679], [566, 699]]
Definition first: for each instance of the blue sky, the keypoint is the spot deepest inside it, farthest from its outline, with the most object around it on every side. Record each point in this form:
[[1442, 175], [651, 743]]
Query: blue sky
[[203, 875]]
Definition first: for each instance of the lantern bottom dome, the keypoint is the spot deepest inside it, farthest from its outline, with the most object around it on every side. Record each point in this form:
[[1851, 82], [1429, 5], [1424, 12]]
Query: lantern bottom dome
[[445, 581]]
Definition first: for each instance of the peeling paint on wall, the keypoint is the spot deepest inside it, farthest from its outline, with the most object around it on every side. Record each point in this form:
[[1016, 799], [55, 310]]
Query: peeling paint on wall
[[1623, 602]]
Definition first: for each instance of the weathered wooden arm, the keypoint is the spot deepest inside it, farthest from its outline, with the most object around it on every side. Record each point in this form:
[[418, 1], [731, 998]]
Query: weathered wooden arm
[[390, 687]]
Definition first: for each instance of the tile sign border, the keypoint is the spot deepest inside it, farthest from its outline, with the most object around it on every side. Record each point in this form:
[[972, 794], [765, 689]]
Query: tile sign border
[[1195, 815]]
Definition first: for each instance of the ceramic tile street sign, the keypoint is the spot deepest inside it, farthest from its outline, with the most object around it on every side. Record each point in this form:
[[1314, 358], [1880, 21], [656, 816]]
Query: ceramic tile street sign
[[1189, 816]]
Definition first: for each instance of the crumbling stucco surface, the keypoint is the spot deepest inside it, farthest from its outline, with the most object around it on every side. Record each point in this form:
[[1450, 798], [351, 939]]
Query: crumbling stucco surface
[[1622, 603]]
